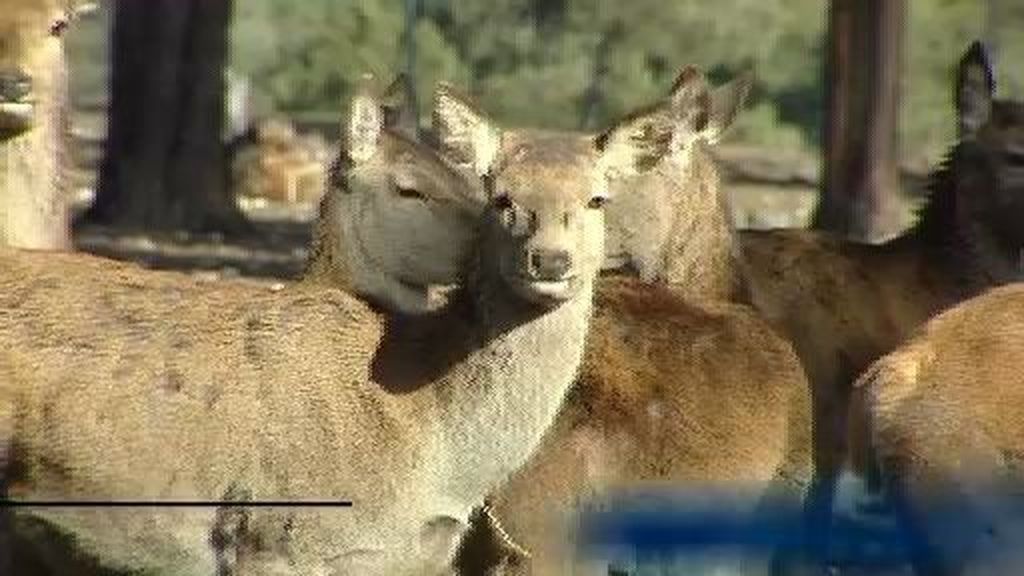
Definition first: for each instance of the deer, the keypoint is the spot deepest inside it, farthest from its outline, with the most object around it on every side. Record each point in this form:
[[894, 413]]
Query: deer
[[308, 391], [432, 205], [677, 227], [672, 227], [393, 229], [673, 390], [845, 304], [942, 414], [33, 123]]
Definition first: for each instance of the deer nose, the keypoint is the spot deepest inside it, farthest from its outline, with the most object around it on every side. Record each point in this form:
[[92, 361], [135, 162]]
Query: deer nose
[[15, 85], [549, 264]]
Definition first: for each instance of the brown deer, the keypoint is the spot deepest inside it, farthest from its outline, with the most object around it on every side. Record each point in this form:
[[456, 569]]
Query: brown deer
[[943, 413], [33, 124], [844, 304], [121, 384], [673, 391]]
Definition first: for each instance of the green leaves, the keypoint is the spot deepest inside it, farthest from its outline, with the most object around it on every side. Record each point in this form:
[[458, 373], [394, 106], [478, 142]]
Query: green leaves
[[531, 62]]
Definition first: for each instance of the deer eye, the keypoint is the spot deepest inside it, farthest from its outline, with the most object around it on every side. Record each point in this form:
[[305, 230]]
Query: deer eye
[[411, 193], [597, 202]]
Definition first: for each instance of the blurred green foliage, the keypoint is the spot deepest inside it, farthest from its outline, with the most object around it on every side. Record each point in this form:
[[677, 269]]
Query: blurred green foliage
[[533, 62]]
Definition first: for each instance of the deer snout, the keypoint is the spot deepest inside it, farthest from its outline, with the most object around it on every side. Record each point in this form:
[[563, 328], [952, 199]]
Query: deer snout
[[549, 265], [16, 107]]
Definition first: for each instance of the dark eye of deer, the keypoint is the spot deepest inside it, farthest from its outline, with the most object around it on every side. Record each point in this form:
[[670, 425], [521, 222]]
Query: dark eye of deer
[[597, 202], [409, 193]]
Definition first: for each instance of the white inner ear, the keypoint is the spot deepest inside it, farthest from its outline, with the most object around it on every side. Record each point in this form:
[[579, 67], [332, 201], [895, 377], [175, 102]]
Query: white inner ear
[[364, 128], [486, 141]]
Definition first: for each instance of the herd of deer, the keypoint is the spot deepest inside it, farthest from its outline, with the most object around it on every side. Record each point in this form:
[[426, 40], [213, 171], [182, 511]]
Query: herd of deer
[[498, 326]]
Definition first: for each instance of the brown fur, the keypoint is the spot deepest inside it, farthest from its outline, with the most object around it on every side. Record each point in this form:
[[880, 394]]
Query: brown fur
[[33, 202], [294, 399], [845, 304], [672, 393], [944, 414], [232, 393]]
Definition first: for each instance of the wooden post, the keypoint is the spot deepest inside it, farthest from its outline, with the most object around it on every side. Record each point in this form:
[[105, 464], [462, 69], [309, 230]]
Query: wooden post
[[860, 183]]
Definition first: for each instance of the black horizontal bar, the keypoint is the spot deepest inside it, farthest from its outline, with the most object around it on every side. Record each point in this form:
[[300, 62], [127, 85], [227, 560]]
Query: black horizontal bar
[[174, 503]]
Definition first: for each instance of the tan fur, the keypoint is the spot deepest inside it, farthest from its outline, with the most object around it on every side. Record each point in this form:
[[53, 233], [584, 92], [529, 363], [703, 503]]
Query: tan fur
[[671, 392], [306, 393], [676, 226], [33, 203], [944, 415], [845, 304]]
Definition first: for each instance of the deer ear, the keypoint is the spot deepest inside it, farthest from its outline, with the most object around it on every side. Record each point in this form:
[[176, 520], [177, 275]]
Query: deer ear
[[725, 103], [397, 102], [365, 123], [635, 144], [464, 134], [975, 84], [702, 113]]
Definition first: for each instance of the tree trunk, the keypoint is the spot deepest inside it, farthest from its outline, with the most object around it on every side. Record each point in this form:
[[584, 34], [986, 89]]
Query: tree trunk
[[164, 166], [862, 99]]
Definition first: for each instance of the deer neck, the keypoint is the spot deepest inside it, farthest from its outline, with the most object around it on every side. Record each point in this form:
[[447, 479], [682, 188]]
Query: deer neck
[[700, 251], [496, 405]]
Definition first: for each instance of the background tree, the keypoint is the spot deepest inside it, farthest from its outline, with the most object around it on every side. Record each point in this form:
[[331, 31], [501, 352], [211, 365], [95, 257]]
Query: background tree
[[164, 161], [862, 84]]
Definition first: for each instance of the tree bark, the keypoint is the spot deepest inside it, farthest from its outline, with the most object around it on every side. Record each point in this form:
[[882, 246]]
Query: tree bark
[[164, 166], [862, 98]]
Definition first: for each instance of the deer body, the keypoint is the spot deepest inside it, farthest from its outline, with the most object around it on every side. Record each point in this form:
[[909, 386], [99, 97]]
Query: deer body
[[943, 414], [673, 394], [165, 426]]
